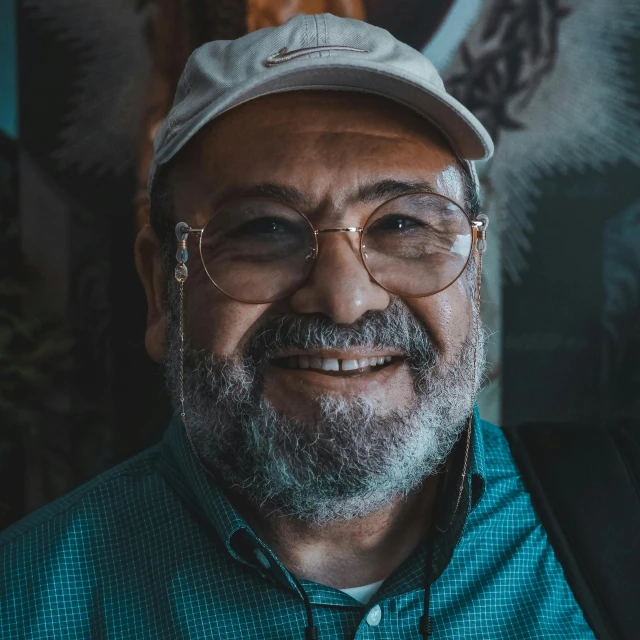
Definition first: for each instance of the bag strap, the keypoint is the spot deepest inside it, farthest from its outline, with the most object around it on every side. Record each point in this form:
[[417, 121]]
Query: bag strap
[[584, 483]]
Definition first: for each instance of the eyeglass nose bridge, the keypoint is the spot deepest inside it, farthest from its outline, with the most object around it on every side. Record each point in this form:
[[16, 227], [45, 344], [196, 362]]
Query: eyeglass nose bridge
[[316, 232], [339, 230]]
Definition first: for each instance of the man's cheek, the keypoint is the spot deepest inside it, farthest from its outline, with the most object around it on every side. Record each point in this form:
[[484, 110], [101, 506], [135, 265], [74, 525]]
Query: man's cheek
[[220, 325], [447, 317]]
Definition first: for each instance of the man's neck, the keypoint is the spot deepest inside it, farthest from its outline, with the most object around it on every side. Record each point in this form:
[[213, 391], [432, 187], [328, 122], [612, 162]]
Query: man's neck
[[348, 553]]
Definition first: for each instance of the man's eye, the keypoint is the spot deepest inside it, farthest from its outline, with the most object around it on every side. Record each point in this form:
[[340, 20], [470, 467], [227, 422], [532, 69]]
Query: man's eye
[[397, 223], [263, 226]]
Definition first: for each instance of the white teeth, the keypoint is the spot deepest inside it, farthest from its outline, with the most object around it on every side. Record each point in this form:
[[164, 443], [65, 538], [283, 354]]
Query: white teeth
[[349, 365], [334, 364], [330, 364]]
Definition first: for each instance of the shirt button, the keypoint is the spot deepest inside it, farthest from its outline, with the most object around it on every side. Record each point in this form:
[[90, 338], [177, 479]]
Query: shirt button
[[262, 559], [374, 616]]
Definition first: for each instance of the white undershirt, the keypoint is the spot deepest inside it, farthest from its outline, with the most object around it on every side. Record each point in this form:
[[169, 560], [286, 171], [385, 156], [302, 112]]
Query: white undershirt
[[365, 593]]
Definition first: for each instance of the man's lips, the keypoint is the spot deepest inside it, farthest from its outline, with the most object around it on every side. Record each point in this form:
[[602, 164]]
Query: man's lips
[[337, 363]]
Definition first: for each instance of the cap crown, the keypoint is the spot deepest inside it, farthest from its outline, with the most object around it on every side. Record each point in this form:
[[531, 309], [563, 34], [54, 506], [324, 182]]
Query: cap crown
[[218, 67], [312, 52]]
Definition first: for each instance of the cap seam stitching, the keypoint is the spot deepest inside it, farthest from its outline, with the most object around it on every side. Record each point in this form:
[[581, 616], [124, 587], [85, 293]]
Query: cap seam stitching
[[325, 37], [186, 79]]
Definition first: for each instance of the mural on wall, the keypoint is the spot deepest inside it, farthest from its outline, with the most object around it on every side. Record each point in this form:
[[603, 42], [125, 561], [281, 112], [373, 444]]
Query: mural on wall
[[556, 84], [554, 81]]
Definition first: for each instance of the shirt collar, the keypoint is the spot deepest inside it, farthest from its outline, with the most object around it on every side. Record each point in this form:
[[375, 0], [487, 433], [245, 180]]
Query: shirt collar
[[186, 474], [182, 468], [477, 462]]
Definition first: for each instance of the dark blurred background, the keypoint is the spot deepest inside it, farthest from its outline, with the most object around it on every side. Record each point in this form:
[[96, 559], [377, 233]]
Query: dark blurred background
[[84, 84]]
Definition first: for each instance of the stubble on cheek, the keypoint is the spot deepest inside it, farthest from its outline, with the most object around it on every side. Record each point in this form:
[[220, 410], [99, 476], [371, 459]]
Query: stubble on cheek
[[215, 323]]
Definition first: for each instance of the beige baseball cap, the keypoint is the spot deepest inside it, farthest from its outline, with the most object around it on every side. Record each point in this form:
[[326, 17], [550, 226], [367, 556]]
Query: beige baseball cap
[[313, 52]]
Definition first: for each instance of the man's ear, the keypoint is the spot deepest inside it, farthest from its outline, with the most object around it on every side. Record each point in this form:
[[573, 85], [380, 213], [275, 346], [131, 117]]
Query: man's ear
[[148, 252]]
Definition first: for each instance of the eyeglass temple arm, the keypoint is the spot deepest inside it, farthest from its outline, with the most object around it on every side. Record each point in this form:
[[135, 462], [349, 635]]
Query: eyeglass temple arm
[[183, 230]]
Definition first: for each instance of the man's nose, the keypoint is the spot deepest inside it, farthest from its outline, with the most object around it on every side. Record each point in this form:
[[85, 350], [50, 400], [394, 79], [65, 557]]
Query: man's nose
[[339, 286]]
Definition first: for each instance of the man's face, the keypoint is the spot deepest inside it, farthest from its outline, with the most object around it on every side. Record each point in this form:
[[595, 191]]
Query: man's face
[[375, 431]]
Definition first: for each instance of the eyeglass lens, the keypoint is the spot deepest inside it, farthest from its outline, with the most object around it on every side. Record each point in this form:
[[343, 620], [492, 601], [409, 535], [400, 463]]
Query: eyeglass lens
[[260, 250]]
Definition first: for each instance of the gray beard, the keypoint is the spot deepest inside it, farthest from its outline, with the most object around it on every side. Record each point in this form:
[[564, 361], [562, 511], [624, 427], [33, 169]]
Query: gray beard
[[352, 457]]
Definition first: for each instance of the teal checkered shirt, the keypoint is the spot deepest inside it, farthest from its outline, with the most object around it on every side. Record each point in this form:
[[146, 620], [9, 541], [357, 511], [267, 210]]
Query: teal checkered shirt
[[153, 549]]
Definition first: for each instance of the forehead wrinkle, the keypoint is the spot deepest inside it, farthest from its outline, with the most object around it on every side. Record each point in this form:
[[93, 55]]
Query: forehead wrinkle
[[342, 179], [383, 119], [324, 142], [318, 157], [287, 140]]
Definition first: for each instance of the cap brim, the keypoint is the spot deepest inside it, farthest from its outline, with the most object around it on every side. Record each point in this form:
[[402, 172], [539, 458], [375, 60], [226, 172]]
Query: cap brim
[[467, 135]]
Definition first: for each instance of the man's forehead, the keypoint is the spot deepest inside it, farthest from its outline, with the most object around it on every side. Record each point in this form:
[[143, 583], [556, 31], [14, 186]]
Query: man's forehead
[[319, 141], [318, 115]]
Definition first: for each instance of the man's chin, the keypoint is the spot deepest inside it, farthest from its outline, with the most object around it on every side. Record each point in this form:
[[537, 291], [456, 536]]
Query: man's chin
[[345, 458]]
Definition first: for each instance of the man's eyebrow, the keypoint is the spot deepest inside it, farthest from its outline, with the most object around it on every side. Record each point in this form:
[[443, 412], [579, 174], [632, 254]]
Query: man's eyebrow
[[283, 192], [367, 194], [387, 189]]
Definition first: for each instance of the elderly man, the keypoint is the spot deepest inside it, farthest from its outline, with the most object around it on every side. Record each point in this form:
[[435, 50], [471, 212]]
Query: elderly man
[[312, 274]]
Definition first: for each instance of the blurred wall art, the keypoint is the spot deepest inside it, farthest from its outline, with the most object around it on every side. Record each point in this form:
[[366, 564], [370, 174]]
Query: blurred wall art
[[84, 87]]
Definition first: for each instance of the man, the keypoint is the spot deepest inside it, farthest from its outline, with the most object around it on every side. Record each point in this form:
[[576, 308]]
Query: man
[[312, 274]]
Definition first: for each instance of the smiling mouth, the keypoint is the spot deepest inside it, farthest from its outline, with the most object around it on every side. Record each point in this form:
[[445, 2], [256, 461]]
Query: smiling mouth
[[343, 367]]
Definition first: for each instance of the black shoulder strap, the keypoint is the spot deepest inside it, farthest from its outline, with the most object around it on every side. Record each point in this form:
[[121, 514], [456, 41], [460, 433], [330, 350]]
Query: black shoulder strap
[[584, 483]]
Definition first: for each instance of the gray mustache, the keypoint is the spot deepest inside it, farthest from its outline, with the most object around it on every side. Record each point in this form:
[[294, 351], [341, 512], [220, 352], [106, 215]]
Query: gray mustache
[[392, 328]]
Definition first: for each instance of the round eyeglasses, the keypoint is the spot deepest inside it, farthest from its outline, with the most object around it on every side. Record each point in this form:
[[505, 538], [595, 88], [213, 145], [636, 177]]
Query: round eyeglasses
[[260, 250]]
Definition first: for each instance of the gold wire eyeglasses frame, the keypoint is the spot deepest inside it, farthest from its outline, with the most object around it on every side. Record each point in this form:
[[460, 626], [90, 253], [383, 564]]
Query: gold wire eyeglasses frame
[[478, 226]]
